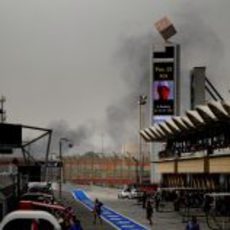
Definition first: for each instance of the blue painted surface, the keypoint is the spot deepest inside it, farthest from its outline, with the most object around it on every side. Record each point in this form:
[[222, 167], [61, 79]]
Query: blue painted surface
[[119, 221]]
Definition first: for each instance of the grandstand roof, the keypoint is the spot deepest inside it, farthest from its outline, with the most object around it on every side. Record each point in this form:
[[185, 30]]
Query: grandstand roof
[[206, 113], [218, 109], [201, 118]]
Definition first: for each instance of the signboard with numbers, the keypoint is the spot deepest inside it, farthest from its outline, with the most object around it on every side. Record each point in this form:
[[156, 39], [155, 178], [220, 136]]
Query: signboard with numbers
[[164, 84]]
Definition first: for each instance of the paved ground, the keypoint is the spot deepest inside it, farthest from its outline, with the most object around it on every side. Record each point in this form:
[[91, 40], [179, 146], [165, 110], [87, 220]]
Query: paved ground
[[129, 208], [83, 214]]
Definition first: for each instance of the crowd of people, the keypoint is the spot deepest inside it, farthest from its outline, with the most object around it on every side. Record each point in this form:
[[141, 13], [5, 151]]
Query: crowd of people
[[68, 220], [152, 203]]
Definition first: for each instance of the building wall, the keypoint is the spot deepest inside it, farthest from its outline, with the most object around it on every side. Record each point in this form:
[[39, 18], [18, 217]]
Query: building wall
[[215, 164], [219, 164], [103, 170], [166, 167], [197, 87], [182, 166], [211, 173], [191, 166]]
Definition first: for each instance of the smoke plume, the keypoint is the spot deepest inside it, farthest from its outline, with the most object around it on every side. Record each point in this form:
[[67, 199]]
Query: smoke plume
[[200, 46]]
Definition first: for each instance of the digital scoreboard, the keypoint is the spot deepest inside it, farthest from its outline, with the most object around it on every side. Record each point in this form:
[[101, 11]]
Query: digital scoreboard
[[165, 80]]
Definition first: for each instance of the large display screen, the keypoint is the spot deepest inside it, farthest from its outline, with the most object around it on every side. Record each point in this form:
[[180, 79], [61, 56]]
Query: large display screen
[[159, 119], [165, 79], [163, 88], [10, 135], [163, 71]]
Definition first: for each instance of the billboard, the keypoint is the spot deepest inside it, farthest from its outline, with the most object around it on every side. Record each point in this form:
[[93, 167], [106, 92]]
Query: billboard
[[163, 89], [32, 172], [10, 135], [164, 84]]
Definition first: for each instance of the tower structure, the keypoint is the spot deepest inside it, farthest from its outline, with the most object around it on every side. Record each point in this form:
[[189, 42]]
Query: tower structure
[[164, 91]]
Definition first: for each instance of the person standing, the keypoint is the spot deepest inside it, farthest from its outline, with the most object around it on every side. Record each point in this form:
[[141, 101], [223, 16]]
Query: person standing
[[149, 212], [157, 199], [192, 225], [144, 199], [75, 224], [97, 211]]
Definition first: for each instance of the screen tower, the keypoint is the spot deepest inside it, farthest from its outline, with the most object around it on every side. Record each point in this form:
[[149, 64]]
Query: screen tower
[[165, 84]]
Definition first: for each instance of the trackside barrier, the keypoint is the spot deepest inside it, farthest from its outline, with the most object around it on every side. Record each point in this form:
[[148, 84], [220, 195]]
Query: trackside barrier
[[30, 215]]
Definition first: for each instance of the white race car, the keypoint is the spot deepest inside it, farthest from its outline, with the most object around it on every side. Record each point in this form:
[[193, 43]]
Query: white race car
[[129, 193]]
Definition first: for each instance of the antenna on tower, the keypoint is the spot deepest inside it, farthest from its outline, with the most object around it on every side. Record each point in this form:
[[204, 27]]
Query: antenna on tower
[[2, 111]]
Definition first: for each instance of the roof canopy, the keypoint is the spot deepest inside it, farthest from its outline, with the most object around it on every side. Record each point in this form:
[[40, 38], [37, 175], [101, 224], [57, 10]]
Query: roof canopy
[[203, 118]]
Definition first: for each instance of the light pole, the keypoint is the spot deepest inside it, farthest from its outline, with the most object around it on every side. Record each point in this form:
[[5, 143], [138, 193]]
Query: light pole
[[142, 101], [61, 171]]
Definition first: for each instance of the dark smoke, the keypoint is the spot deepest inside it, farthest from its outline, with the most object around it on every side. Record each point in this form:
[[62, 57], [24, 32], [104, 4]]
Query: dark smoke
[[200, 46], [133, 58], [78, 137], [122, 122]]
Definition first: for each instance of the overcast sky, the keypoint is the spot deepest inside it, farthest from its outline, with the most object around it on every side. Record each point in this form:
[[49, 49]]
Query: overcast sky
[[78, 66]]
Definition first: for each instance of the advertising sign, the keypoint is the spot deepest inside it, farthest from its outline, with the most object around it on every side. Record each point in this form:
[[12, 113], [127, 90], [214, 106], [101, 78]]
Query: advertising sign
[[163, 89], [10, 135]]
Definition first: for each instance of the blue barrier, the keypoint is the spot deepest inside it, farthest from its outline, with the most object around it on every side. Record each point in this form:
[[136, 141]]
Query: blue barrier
[[117, 220]]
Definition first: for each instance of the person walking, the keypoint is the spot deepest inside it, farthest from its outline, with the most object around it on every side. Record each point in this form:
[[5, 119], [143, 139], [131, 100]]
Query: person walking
[[144, 199], [149, 212], [192, 225], [75, 224], [157, 201], [97, 210]]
